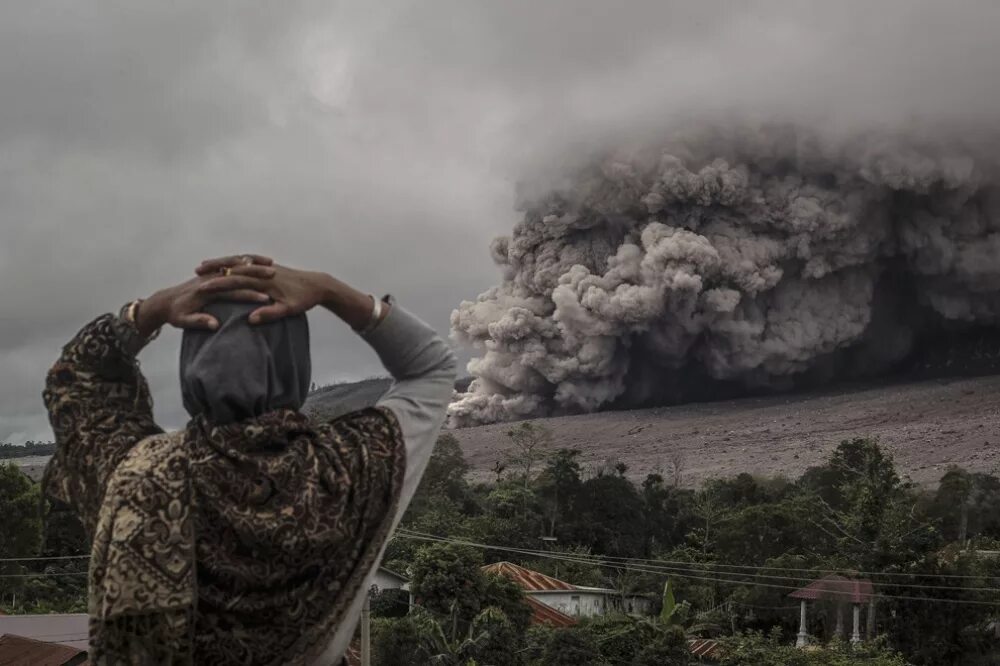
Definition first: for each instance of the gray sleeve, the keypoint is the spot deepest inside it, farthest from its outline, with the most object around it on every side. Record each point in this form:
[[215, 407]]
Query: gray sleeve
[[424, 368]]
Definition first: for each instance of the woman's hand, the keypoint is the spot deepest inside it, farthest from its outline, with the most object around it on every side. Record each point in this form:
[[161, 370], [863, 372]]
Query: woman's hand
[[293, 291], [182, 305]]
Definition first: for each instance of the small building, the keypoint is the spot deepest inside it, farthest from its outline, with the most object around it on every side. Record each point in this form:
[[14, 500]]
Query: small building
[[571, 600], [841, 592], [21, 651]]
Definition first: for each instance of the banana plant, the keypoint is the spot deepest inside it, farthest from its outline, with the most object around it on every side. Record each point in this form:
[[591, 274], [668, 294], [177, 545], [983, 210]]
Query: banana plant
[[668, 614]]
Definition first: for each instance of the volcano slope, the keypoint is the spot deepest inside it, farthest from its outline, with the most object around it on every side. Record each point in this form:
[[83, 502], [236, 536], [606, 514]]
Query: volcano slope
[[926, 425]]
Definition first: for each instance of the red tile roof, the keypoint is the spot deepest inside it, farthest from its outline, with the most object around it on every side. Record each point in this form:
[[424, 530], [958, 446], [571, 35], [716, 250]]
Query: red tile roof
[[704, 648], [528, 580], [837, 588], [20, 651], [544, 614]]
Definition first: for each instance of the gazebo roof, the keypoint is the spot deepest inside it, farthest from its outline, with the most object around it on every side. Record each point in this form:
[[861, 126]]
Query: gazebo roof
[[837, 588]]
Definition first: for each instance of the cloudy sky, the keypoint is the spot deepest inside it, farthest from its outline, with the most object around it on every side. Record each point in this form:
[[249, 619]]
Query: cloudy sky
[[381, 141]]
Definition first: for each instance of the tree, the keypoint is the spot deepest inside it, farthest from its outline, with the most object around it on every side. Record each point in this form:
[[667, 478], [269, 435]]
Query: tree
[[669, 647], [754, 648], [444, 477], [21, 508], [668, 514], [619, 638], [559, 485], [402, 641], [869, 512], [572, 647], [498, 645], [967, 505], [448, 581], [609, 517], [530, 445], [505, 596]]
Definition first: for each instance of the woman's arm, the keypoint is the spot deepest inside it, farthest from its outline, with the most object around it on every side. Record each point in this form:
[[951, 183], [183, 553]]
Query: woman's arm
[[98, 400], [99, 407], [424, 368]]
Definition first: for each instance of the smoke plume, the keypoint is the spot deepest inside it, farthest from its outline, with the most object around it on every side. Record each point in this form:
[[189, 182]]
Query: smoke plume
[[732, 256]]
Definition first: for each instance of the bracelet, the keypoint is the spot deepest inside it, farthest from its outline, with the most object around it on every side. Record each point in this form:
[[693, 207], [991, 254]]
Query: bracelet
[[375, 318], [129, 313]]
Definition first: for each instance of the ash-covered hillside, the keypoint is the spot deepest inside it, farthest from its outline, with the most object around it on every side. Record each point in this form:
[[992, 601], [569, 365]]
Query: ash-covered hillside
[[927, 426]]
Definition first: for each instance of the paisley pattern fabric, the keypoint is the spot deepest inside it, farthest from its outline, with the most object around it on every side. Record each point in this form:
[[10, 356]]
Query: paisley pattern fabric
[[235, 544]]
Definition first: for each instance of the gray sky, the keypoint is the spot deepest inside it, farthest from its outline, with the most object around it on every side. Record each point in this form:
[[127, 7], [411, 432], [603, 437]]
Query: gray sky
[[381, 141]]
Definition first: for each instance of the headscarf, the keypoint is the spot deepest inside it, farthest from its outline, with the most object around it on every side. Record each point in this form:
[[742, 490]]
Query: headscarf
[[242, 370]]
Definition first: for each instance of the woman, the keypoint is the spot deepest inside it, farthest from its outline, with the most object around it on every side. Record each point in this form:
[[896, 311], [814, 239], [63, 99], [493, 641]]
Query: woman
[[253, 535]]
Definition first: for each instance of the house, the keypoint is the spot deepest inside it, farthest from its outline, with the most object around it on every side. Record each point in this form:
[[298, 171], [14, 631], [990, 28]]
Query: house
[[568, 599], [21, 651], [389, 580]]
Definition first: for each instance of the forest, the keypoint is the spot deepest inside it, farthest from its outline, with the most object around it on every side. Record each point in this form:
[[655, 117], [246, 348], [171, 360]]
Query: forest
[[716, 562]]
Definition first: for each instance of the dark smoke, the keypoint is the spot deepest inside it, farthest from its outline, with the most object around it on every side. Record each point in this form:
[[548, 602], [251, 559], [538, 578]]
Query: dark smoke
[[728, 259]]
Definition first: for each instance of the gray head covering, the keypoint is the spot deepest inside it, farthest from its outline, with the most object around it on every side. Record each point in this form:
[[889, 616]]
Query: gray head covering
[[241, 370]]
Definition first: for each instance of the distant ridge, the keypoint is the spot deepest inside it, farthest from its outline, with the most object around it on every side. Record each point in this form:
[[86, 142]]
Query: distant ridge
[[335, 400]]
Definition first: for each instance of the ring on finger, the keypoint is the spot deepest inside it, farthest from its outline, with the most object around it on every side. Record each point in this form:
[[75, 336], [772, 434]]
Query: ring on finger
[[227, 271], [246, 260]]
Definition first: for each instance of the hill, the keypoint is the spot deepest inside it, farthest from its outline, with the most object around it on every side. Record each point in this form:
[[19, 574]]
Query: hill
[[335, 400], [927, 425]]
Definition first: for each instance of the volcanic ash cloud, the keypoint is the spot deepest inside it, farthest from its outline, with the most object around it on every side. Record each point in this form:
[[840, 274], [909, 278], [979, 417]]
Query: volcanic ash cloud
[[749, 256]]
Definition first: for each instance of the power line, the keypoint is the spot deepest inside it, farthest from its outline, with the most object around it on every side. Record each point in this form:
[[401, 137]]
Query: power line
[[668, 570], [687, 576], [658, 562], [44, 559], [44, 575]]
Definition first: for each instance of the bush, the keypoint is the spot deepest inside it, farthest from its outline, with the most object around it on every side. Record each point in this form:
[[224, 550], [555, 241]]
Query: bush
[[754, 648], [668, 648], [572, 647], [400, 642]]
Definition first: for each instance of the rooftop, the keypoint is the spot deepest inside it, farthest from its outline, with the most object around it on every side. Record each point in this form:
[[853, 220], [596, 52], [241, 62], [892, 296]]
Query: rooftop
[[528, 580], [542, 613], [837, 588], [21, 651]]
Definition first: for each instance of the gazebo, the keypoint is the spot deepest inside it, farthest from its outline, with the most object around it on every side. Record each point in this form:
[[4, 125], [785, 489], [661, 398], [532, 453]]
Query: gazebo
[[841, 590]]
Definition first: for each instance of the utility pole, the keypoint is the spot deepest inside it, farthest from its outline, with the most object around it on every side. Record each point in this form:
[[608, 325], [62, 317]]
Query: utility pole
[[366, 636]]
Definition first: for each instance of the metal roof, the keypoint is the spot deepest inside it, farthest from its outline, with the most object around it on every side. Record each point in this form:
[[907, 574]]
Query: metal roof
[[21, 651], [528, 580], [704, 648], [542, 613], [837, 588]]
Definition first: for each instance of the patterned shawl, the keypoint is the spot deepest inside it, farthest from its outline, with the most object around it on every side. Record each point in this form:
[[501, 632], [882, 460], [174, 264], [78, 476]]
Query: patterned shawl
[[236, 544], [244, 543]]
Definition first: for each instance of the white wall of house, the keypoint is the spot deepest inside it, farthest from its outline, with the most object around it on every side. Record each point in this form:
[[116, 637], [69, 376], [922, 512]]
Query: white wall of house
[[385, 580], [591, 603]]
